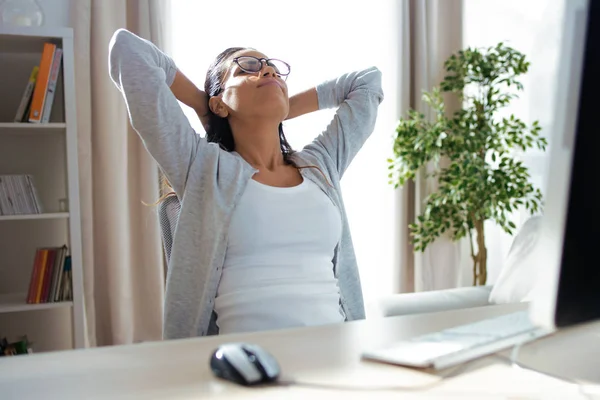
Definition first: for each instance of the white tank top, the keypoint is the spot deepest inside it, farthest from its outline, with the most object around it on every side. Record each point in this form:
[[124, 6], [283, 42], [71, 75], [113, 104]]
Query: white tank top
[[278, 270]]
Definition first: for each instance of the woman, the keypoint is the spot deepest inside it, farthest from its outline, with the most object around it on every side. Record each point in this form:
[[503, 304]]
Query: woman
[[262, 240]]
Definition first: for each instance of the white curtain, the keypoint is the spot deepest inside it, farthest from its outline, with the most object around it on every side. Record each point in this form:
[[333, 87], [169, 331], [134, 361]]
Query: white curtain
[[430, 31], [122, 253]]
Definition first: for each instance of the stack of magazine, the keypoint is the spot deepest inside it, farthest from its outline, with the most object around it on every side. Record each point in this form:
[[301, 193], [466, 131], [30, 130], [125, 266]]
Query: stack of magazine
[[18, 195]]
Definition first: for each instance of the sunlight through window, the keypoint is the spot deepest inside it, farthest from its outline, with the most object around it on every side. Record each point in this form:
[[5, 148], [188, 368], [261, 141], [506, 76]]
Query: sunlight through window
[[320, 40], [534, 28]]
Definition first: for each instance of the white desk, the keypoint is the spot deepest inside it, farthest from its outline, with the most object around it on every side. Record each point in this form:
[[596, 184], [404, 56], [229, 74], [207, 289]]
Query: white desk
[[331, 354]]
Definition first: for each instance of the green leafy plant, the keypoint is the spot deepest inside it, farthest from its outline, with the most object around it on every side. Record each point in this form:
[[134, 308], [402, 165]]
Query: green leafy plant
[[471, 152]]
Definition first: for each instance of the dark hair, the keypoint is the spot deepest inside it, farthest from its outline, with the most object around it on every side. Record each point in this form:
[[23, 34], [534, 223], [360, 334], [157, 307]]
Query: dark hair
[[219, 130]]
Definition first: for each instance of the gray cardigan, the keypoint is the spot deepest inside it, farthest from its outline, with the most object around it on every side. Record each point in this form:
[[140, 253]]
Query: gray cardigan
[[209, 181]]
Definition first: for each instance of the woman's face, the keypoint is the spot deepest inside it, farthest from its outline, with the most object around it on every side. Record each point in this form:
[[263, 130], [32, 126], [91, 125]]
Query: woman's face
[[261, 94]]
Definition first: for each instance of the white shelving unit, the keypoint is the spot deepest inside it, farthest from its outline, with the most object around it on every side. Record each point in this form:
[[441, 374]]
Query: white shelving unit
[[34, 216], [13, 302], [48, 152]]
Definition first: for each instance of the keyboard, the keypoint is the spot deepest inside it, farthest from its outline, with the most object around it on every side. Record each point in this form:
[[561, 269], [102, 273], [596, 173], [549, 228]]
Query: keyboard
[[459, 344]]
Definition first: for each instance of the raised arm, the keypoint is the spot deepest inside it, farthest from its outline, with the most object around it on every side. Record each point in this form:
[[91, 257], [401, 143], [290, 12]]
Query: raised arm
[[151, 85], [303, 103], [357, 96], [189, 94]]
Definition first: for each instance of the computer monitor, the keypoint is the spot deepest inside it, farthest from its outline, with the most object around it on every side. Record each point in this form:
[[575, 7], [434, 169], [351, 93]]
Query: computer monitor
[[568, 252]]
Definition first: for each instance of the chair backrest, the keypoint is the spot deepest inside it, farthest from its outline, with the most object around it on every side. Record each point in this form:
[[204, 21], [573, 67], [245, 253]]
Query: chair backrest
[[518, 276], [168, 216]]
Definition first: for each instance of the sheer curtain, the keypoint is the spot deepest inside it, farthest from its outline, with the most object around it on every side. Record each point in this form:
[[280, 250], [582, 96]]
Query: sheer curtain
[[533, 27], [429, 32], [122, 253], [320, 40]]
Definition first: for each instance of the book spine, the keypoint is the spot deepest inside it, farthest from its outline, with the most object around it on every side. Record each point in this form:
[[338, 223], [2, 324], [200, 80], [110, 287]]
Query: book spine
[[26, 194], [12, 194], [41, 85], [27, 110], [52, 85], [19, 194], [69, 284], [4, 209], [59, 291], [48, 274], [58, 267], [27, 94], [65, 283], [22, 180], [40, 283], [35, 273], [36, 197], [30, 194]]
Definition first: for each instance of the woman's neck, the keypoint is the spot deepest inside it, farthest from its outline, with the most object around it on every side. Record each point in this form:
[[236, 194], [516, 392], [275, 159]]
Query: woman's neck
[[258, 143]]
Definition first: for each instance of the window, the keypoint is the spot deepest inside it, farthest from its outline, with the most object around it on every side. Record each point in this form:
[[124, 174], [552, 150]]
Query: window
[[533, 27], [320, 40]]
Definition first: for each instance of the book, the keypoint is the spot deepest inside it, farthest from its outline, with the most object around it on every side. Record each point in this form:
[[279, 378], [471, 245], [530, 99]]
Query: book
[[58, 270], [37, 205], [66, 293], [26, 193], [27, 110], [52, 85], [17, 194], [8, 207], [59, 283], [40, 282], [35, 276], [41, 85], [26, 98], [48, 275]]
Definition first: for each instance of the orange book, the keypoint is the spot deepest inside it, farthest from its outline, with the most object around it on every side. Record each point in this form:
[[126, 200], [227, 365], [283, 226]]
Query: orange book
[[41, 84], [38, 293], [48, 275], [35, 274]]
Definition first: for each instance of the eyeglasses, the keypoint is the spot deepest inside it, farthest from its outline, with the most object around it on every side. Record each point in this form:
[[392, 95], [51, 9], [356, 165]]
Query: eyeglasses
[[252, 64]]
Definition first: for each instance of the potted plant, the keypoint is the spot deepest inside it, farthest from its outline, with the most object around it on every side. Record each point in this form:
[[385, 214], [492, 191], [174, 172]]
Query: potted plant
[[472, 152]]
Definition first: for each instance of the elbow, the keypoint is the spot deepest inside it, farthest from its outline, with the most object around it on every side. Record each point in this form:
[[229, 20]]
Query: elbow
[[374, 73], [377, 76], [117, 49], [120, 44], [120, 39], [374, 79], [375, 70]]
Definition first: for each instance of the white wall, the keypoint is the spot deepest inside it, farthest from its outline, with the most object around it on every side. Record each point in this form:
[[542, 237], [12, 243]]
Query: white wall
[[56, 12]]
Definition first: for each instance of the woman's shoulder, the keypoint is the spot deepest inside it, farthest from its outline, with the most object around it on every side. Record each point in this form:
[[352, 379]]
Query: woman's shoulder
[[212, 163], [213, 153], [315, 160]]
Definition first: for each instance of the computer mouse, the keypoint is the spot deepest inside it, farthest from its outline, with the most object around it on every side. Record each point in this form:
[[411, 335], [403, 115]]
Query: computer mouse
[[243, 363]]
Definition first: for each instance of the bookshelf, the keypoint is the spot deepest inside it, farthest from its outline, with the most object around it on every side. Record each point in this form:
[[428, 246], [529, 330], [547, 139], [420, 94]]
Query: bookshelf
[[47, 152]]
